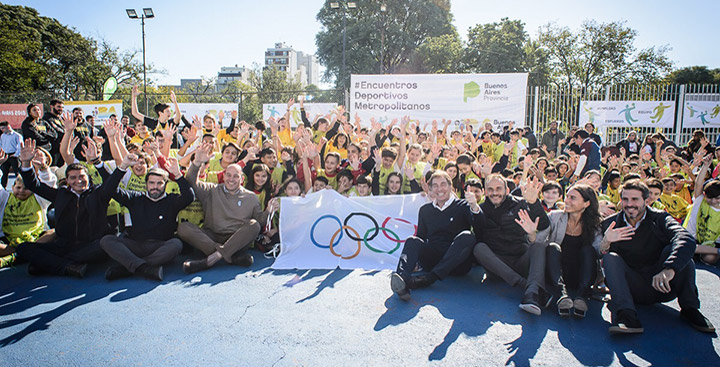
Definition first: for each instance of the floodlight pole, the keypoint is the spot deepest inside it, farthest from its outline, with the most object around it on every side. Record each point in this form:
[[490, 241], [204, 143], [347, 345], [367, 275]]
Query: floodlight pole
[[142, 20]]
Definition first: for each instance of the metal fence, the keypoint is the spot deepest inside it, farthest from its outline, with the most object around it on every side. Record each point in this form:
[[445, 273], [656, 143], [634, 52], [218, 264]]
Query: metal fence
[[546, 104]]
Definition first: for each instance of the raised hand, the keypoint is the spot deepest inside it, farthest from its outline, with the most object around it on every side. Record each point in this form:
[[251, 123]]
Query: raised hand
[[111, 129], [27, 152], [197, 122], [173, 98], [613, 234], [129, 161], [173, 167], [68, 122], [233, 114], [486, 166], [221, 115], [135, 91], [527, 224], [3, 156], [90, 150], [531, 190], [290, 103], [203, 153], [169, 132], [409, 172]]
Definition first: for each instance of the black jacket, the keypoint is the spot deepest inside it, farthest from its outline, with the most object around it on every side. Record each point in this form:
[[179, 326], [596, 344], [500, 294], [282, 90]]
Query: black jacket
[[79, 219], [154, 220], [654, 233], [496, 227], [43, 135]]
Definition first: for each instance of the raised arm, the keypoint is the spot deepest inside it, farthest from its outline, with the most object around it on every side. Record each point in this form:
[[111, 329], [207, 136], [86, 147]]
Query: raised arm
[[178, 113], [700, 179], [27, 153], [133, 104]]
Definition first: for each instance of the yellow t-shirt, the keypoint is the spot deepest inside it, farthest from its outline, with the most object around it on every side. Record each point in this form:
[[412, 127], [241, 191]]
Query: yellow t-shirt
[[675, 205]]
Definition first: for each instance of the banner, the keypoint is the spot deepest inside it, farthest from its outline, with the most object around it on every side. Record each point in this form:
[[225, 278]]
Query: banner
[[326, 230], [15, 114], [202, 109], [479, 98], [101, 110], [277, 110], [701, 114], [628, 113]]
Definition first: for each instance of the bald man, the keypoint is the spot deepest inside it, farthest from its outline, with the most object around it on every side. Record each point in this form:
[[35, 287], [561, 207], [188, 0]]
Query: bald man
[[233, 217]]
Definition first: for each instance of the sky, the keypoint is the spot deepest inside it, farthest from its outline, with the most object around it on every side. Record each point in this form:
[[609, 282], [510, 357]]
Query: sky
[[193, 39]]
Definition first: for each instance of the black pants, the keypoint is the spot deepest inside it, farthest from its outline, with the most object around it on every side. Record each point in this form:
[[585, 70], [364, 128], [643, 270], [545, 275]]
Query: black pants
[[571, 269], [526, 270], [11, 162], [440, 259], [629, 286], [52, 257]]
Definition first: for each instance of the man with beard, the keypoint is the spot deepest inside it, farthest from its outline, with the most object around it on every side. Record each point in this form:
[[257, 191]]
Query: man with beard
[[53, 119], [648, 259], [551, 138], [505, 249], [150, 241]]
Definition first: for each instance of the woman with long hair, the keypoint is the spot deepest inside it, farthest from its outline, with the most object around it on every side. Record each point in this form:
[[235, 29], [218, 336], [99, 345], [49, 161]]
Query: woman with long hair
[[573, 241], [259, 183]]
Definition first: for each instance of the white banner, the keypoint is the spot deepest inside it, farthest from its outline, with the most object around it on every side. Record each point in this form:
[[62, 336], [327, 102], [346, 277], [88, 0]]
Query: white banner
[[101, 110], [326, 230], [628, 113], [478, 98], [701, 114], [277, 110], [202, 109]]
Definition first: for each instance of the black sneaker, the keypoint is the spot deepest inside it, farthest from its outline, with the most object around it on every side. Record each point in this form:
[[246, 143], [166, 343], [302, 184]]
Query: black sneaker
[[193, 266], [697, 320], [117, 272], [150, 272], [242, 258], [544, 298], [422, 281], [397, 284], [564, 306], [75, 270], [627, 322], [530, 303]]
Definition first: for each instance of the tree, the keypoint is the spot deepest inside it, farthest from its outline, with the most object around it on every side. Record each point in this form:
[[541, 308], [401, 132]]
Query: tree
[[441, 54], [377, 41], [600, 54], [40, 54], [496, 47], [694, 75]]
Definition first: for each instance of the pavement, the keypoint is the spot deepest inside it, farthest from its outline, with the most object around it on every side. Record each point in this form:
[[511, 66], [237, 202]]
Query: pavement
[[257, 316]]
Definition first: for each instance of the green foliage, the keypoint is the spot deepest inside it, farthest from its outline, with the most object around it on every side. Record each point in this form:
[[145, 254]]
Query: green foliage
[[694, 75], [601, 54], [40, 54], [496, 47], [441, 54], [378, 41]]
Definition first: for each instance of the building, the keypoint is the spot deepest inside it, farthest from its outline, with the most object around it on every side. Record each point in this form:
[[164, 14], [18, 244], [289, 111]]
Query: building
[[229, 74], [295, 63]]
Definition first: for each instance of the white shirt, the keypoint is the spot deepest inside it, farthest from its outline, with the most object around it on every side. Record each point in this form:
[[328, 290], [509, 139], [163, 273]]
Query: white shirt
[[10, 143]]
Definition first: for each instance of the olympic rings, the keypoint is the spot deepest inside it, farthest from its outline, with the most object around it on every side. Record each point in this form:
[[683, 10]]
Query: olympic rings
[[375, 224], [332, 250], [353, 234], [312, 231], [384, 224], [365, 240]]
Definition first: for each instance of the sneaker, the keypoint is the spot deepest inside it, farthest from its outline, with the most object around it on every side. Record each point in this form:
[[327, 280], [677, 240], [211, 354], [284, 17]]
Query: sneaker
[[422, 281], [75, 270], [193, 266], [564, 305], [697, 320], [117, 272], [580, 307], [627, 323], [530, 303], [242, 258], [397, 284], [544, 298], [150, 272]]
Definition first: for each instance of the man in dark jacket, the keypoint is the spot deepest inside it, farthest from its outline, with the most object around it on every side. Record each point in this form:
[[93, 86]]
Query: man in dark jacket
[[505, 246], [648, 259], [53, 120], [81, 215], [551, 138], [443, 242], [150, 241]]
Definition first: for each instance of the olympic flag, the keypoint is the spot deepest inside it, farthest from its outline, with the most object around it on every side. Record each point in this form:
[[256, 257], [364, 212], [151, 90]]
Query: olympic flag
[[462, 98], [326, 230], [628, 113]]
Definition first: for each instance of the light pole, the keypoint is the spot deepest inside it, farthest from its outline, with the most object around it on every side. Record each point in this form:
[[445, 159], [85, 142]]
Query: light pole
[[348, 5], [146, 13], [383, 9]]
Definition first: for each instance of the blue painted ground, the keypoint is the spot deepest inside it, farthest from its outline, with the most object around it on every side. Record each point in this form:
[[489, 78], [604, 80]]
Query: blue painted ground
[[260, 317]]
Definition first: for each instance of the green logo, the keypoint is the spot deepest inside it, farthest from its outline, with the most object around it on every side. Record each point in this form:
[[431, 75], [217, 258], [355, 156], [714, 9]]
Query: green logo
[[472, 90], [109, 88]]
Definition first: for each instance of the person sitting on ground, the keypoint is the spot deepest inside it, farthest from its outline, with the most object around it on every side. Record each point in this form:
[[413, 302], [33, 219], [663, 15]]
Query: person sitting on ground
[[443, 243], [233, 217], [150, 241], [573, 240], [703, 222], [504, 249], [80, 212], [648, 259]]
